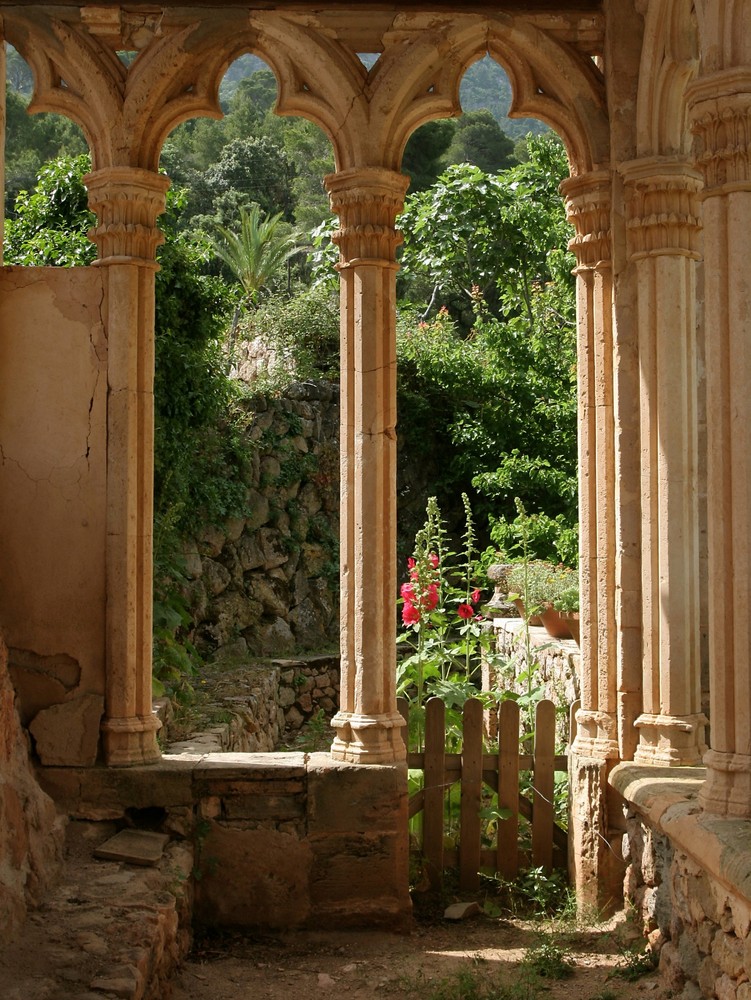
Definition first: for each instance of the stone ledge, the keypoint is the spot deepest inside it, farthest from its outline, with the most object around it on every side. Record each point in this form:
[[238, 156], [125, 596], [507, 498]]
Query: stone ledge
[[667, 798]]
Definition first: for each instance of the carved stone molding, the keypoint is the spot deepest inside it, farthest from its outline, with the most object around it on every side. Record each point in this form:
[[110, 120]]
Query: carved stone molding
[[131, 741], [727, 789], [670, 740], [363, 739], [588, 202], [126, 201], [597, 735], [662, 207], [367, 202], [720, 114]]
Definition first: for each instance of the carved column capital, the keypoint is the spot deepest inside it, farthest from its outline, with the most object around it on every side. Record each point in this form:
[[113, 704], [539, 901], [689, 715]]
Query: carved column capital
[[588, 201], [719, 108], [367, 201], [127, 201], [662, 206]]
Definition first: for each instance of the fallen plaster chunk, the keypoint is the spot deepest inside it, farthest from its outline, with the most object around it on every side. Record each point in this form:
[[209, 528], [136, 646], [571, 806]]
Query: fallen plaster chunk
[[135, 847], [68, 734], [460, 911]]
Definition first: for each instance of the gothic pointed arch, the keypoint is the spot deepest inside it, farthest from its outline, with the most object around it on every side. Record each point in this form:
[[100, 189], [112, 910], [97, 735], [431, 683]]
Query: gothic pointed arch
[[558, 82]]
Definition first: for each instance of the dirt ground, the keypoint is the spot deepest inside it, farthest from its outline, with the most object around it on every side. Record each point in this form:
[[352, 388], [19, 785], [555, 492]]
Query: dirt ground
[[96, 927], [475, 959]]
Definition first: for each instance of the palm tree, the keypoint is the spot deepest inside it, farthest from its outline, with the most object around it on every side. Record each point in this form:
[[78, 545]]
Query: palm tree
[[255, 255]]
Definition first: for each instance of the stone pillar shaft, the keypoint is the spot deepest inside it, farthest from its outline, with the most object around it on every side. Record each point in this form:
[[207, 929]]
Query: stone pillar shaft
[[720, 110], [663, 231], [127, 202], [368, 727], [588, 205]]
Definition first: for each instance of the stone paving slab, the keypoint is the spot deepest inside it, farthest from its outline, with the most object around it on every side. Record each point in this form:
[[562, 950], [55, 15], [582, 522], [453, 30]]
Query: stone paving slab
[[135, 847]]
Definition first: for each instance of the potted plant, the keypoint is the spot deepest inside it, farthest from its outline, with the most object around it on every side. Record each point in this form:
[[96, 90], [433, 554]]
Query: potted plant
[[535, 588], [567, 604]]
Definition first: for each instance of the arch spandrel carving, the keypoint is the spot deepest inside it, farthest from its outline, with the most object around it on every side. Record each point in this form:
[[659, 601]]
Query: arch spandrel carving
[[368, 115], [670, 61]]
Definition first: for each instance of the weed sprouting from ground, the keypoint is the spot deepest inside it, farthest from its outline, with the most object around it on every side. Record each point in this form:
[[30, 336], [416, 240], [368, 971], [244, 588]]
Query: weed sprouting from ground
[[548, 960], [635, 964], [471, 984]]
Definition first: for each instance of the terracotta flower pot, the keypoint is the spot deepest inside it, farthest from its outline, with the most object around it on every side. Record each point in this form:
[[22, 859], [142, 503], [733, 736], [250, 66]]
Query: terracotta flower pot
[[533, 620], [554, 624], [572, 620]]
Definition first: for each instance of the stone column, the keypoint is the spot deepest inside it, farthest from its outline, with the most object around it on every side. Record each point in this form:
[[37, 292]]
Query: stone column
[[127, 201], [720, 113], [662, 219], [367, 201], [594, 866], [588, 206]]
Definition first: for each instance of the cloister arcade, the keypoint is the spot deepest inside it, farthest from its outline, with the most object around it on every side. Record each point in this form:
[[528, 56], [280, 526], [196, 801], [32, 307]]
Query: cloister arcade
[[653, 101]]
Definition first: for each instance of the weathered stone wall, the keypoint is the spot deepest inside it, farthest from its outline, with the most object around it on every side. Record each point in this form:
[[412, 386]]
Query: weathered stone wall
[[255, 708], [688, 880], [280, 840], [31, 832], [268, 584], [700, 927]]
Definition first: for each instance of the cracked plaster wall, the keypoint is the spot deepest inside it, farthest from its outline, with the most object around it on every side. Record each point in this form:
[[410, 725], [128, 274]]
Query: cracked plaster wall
[[53, 412]]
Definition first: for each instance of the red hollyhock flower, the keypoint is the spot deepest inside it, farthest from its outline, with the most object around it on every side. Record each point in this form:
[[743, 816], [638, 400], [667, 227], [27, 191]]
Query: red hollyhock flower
[[433, 560], [476, 595], [430, 597], [407, 591], [410, 614], [465, 611]]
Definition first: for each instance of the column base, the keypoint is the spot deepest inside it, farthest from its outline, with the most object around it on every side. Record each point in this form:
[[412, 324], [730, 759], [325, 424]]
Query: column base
[[670, 740], [368, 739], [596, 735], [131, 741], [727, 788]]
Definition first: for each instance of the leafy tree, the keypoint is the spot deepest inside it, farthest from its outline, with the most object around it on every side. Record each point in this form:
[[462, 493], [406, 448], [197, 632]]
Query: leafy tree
[[31, 141], [49, 226], [492, 232], [486, 85], [478, 139], [495, 402], [425, 153], [248, 170]]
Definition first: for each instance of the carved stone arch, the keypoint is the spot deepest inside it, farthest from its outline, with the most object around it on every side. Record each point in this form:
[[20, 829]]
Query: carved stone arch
[[126, 112], [368, 114], [557, 83], [670, 61]]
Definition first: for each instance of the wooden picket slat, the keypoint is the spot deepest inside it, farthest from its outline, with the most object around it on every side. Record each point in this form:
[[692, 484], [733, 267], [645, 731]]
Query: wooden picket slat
[[471, 797], [507, 859], [434, 790], [543, 815]]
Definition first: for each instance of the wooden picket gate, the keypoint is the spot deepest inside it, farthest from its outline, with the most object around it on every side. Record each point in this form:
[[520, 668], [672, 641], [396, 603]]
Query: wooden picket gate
[[500, 771]]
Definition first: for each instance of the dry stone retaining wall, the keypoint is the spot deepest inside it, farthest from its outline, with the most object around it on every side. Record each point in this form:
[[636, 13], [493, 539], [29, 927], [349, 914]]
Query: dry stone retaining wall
[[556, 663], [253, 708], [700, 927], [267, 584]]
